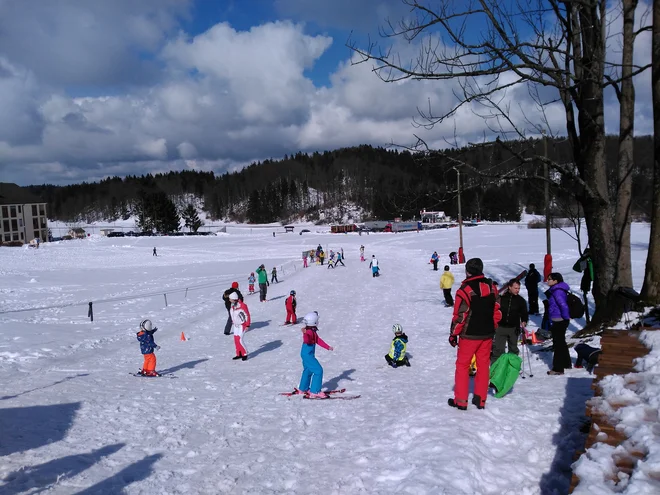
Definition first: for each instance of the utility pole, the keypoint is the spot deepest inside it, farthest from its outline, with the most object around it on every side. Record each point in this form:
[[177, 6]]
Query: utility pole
[[546, 175], [460, 217]]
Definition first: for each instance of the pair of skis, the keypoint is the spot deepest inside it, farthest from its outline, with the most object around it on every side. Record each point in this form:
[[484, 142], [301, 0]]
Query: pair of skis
[[332, 395]]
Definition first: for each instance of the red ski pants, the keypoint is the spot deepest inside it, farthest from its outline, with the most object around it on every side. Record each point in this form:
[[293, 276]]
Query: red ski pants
[[149, 362], [291, 316], [466, 349]]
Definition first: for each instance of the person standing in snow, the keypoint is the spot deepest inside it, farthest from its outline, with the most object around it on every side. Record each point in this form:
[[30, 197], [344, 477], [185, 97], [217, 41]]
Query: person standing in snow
[[532, 284], [304, 257], [312, 370], [434, 259], [273, 274], [476, 316], [361, 253], [446, 283], [154, 253], [340, 258], [397, 355], [290, 305], [560, 317], [225, 298], [251, 281], [145, 337], [374, 266], [514, 317], [321, 256], [240, 316], [263, 282]]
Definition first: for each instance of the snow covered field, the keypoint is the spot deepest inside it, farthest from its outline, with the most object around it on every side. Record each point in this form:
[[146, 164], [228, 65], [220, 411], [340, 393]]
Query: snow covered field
[[73, 420]]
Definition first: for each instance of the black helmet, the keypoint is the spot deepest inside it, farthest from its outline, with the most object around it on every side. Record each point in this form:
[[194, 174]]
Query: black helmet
[[293, 292]]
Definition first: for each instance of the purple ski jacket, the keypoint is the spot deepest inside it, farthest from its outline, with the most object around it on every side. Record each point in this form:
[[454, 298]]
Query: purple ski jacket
[[557, 305]]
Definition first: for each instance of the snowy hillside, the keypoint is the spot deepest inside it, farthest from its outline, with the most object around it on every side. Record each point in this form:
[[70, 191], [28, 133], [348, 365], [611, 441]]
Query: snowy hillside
[[74, 420]]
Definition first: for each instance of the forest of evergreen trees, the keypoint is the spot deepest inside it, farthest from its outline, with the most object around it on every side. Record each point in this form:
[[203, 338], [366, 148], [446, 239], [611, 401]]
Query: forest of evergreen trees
[[383, 183]]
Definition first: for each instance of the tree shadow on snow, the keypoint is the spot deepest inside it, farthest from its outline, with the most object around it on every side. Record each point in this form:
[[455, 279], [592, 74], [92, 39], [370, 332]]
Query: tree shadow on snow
[[569, 438], [259, 324], [270, 346], [334, 382], [45, 475], [45, 386], [115, 484], [189, 364], [25, 428]]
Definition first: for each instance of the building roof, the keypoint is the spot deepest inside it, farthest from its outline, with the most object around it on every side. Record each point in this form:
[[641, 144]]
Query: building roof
[[13, 194]]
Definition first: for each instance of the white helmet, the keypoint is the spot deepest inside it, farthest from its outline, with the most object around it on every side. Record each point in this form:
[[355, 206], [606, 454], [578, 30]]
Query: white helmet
[[312, 319], [146, 326], [396, 328], [233, 296]]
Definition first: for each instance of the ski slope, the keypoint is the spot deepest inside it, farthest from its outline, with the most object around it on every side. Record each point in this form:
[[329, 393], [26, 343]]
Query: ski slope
[[73, 420]]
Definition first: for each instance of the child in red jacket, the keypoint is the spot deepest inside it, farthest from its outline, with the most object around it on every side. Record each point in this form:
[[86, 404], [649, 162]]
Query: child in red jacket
[[290, 305]]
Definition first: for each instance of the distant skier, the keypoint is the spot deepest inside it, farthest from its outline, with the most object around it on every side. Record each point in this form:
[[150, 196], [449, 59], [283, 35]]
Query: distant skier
[[251, 281], [361, 253], [340, 258], [240, 316], [446, 282], [145, 337], [304, 257], [434, 260], [374, 266], [273, 275], [532, 284], [321, 256], [397, 355], [154, 253], [290, 305], [453, 258], [312, 370]]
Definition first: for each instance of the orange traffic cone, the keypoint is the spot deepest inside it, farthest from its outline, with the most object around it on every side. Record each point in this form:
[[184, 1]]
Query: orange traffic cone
[[534, 339], [183, 337]]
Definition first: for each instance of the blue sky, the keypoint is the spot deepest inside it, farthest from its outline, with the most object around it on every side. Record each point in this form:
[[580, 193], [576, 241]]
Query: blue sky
[[95, 88]]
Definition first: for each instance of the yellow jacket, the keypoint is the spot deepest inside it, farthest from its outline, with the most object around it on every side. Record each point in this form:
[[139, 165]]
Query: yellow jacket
[[446, 280]]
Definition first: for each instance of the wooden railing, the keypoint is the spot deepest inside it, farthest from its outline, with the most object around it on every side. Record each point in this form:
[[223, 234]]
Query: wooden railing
[[620, 349]]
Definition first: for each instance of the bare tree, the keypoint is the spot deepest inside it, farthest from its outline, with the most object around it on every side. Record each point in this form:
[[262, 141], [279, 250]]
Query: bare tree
[[651, 288], [566, 50]]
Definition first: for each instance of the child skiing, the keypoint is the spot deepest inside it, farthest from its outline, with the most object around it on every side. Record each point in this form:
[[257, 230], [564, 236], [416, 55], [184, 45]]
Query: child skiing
[[290, 305], [446, 281], [145, 336], [240, 316], [312, 370], [434, 260], [251, 281], [274, 276], [397, 355], [361, 253], [374, 266]]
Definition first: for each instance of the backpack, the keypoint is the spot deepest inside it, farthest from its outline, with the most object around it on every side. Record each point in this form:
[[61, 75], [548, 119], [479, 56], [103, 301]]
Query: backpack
[[575, 305]]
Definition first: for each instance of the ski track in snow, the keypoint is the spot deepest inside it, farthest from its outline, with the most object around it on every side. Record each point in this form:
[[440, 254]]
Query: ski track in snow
[[75, 421]]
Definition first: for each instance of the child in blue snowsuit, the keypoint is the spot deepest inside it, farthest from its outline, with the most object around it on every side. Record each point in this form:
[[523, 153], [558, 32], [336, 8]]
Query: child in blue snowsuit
[[145, 336], [312, 370], [397, 355]]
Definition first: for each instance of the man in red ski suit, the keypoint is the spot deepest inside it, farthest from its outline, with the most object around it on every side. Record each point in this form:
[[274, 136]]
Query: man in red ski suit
[[290, 304], [476, 316]]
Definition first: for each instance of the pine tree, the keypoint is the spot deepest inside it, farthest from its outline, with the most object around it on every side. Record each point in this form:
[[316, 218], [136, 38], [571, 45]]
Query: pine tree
[[191, 218]]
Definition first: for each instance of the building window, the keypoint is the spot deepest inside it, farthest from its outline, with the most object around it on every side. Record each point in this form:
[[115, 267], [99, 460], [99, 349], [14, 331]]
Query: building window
[[20, 222], [5, 226], [35, 223], [12, 211], [5, 212], [43, 222], [15, 236], [42, 210], [14, 225], [19, 209], [34, 210], [21, 236], [7, 237]]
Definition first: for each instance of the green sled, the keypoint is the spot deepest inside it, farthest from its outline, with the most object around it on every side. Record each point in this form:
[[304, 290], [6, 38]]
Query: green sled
[[504, 373]]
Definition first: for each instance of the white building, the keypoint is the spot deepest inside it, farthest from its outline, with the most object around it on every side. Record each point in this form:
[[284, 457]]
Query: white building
[[22, 215]]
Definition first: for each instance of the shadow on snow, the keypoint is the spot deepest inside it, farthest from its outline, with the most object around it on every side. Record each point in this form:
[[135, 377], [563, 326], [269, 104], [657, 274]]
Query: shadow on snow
[[333, 383], [189, 364], [45, 386], [115, 484], [269, 346]]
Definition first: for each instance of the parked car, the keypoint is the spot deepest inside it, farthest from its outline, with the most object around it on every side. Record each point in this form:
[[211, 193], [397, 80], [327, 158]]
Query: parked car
[[115, 234], [303, 231]]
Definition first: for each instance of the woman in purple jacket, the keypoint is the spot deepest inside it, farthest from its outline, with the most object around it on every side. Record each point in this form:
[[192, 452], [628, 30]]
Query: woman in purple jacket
[[559, 319]]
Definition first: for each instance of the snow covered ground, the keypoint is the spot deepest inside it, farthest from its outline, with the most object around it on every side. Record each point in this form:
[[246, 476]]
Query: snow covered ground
[[73, 420]]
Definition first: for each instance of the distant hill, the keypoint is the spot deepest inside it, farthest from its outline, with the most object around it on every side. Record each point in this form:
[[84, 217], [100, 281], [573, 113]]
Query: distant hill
[[349, 184]]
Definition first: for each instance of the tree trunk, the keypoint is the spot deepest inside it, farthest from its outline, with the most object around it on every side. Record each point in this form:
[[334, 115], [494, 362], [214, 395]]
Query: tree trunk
[[625, 162], [651, 288]]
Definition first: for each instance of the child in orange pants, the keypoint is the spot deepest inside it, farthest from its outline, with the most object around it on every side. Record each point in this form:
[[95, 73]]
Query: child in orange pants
[[145, 337]]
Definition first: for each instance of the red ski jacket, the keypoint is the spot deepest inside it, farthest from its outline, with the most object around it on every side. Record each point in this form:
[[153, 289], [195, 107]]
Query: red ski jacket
[[476, 310]]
